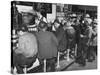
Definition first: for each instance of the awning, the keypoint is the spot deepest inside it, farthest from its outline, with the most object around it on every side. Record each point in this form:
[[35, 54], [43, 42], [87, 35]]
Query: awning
[[89, 8]]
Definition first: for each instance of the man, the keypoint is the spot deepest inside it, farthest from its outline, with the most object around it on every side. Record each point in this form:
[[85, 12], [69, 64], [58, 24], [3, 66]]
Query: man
[[25, 54], [84, 41], [47, 46], [28, 19], [93, 43], [61, 36], [70, 36], [95, 36]]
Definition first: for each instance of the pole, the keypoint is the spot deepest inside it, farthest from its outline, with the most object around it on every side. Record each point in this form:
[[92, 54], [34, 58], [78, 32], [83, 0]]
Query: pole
[[58, 64], [44, 65], [25, 69], [76, 50], [15, 71], [68, 59]]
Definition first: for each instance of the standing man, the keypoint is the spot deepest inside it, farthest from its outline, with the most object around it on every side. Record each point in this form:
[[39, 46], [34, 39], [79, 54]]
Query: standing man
[[93, 43], [84, 41], [61, 36], [71, 38]]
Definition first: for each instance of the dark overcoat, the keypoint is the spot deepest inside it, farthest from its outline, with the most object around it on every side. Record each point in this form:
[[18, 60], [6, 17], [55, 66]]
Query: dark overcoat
[[47, 45]]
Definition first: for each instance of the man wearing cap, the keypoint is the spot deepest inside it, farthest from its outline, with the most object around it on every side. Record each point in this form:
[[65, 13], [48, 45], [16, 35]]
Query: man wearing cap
[[26, 52], [47, 46], [29, 20]]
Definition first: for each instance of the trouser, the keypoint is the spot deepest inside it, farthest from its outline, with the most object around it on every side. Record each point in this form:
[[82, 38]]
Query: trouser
[[95, 50], [81, 53], [12, 65], [70, 43], [71, 46], [92, 52], [20, 61], [50, 63]]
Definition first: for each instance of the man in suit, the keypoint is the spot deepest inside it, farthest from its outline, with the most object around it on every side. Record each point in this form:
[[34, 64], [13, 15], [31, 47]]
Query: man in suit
[[47, 46]]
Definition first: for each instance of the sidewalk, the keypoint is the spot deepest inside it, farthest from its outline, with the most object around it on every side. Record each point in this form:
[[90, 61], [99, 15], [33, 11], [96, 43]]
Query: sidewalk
[[63, 65]]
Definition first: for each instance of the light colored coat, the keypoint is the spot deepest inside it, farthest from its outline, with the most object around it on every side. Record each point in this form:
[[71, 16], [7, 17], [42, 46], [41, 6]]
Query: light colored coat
[[27, 45]]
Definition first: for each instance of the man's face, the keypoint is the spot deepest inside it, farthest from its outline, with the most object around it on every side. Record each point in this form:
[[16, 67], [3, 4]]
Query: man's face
[[27, 19], [49, 25], [56, 25], [68, 23], [86, 23]]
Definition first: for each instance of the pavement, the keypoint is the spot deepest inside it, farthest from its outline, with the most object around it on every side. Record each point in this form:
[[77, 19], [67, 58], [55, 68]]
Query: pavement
[[89, 66], [63, 64], [66, 65], [70, 65]]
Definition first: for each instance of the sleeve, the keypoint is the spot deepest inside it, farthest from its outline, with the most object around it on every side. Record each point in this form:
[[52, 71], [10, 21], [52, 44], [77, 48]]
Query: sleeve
[[89, 35], [21, 45], [54, 39], [95, 31], [37, 35], [90, 32]]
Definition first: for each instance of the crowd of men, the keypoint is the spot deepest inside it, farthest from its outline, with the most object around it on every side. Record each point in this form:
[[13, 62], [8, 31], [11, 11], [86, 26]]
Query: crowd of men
[[37, 38]]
